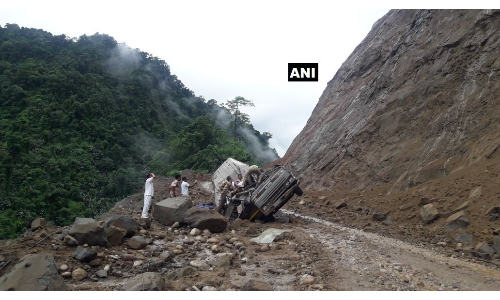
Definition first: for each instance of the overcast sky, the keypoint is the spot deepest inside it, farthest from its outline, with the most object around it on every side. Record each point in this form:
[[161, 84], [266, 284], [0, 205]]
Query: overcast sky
[[223, 49]]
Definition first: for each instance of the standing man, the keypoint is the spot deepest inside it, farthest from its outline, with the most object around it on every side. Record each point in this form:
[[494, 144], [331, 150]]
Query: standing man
[[226, 187], [148, 194], [185, 186], [174, 187]]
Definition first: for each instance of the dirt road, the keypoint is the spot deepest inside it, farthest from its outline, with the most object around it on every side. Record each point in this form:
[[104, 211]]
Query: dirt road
[[367, 261]]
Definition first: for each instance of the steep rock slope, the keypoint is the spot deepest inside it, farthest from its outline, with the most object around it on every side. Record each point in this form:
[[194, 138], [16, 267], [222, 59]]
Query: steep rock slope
[[415, 101]]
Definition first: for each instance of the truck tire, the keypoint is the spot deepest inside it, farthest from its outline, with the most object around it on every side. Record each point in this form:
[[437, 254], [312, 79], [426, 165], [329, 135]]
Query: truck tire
[[298, 191]]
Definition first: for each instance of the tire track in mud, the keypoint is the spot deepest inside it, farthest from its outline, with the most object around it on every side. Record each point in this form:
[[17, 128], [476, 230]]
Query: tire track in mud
[[368, 261]]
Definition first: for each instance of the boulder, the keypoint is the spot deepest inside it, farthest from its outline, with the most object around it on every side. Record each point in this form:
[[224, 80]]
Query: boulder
[[145, 223], [79, 274], [340, 204], [95, 262], [255, 285], [457, 221], [38, 223], [496, 244], [203, 218], [222, 261], [379, 217], [88, 231], [306, 279], [115, 235], [166, 255], [484, 251], [464, 238], [101, 274], [34, 272], [495, 210], [171, 210], [237, 223], [85, 254], [149, 281], [129, 257], [70, 241], [199, 264], [195, 232], [429, 213], [124, 222], [137, 242]]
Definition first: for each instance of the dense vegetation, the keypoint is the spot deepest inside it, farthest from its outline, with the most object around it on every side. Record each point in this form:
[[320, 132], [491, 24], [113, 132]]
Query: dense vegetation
[[83, 120]]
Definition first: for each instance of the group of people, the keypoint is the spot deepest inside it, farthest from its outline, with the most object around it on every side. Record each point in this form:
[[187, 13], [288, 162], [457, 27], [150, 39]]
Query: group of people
[[173, 189], [227, 186]]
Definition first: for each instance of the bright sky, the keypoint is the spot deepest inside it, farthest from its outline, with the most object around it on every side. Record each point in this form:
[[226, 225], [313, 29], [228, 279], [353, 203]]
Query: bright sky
[[223, 49]]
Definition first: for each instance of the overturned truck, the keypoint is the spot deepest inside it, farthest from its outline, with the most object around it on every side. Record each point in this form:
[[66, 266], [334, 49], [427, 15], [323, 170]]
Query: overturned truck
[[263, 194]]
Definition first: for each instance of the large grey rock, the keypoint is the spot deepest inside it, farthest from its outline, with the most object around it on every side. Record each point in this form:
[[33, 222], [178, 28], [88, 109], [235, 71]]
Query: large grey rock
[[496, 244], [88, 231], [199, 264], [379, 217], [223, 260], [203, 218], [495, 210], [38, 223], [34, 272], [70, 241], [101, 274], [429, 213], [456, 221], [484, 251], [176, 274], [115, 235], [464, 237], [137, 242], [166, 255], [171, 210], [340, 204], [84, 254], [255, 285], [148, 281], [125, 222]]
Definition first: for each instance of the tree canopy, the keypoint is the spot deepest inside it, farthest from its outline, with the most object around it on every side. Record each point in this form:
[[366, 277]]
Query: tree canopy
[[83, 120]]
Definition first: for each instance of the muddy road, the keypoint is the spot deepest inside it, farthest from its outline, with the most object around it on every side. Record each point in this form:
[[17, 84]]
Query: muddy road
[[360, 260]]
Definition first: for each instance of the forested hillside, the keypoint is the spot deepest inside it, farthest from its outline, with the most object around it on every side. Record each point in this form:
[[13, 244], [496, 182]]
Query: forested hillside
[[83, 120]]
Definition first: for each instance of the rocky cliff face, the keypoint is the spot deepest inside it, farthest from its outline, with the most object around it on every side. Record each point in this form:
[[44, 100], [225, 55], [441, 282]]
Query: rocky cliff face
[[417, 100]]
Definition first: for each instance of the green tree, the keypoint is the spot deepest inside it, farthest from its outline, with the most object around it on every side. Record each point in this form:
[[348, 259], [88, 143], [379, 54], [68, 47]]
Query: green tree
[[239, 118], [83, 120]]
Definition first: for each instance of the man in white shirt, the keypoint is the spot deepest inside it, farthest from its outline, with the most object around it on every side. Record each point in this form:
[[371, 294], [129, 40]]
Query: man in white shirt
[[238, 184], [148, 194], [185, 186]]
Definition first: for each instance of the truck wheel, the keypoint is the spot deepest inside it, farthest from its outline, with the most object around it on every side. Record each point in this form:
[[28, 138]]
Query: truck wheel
[[298, 191]]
